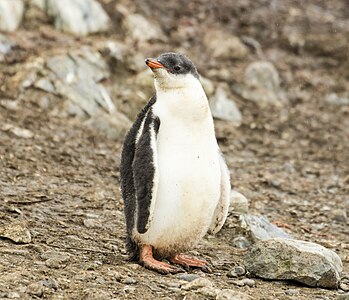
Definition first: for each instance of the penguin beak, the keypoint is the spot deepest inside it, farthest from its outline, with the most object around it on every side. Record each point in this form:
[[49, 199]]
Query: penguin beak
[[153, 63]]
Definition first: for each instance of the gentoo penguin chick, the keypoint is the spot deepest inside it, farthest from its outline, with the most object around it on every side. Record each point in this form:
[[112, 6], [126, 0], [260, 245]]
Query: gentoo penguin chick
[[174, 181]]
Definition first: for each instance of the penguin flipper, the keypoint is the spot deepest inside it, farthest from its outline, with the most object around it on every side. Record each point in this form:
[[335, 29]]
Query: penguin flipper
[[146, 172], [127, 184], [221, 211]]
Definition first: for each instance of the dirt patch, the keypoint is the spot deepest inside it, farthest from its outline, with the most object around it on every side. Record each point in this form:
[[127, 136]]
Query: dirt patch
[[63, 182]]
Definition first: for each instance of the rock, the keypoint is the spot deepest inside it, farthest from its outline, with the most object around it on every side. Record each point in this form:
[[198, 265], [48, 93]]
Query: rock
[[115, 126], [188, 277], [174, 285], [5, 46], [80, 17], [228, 294], [286, 259], [17, 232], [241, 242], [208, 292], [75, 77], [343, 296], [339, 216], [129, 280], [244, 282], [224, 108], [96, 294], [115, 53], [50, 283], [35, 289], [238, 203], [142, 30], [9, 104], [208, 86], [45, 85], [335, 99], [57, 261], [230, 46], [260, 228], [291, 292], [19, 132], [261, 84], [344, 284], [11, 14], [236, 272], [13, 295], [333, 45], [197, 283]]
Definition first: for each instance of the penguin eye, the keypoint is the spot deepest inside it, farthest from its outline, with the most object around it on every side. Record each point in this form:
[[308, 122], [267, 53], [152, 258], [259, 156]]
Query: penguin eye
[[177, 68]]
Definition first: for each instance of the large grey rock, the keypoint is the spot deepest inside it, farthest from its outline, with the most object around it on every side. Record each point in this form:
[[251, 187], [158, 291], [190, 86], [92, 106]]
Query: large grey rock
[[76, 77], [222, 45], [260, 228], [80, 17], [113, 125], [261, 84], [11, 14], [224, 108], [142, 30], [286, 259]]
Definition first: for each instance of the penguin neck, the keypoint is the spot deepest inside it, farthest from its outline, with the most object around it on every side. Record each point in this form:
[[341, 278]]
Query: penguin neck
[[187, 101]]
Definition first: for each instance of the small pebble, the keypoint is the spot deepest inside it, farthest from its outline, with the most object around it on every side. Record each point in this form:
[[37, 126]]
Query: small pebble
[[173, 284], [35, 289], [188, 277], [129, 280], [13, 295], [241, 242], [291, 292], [339, 216], [100, 280], [175, 290], [117, 276], [197, 283], [344, 286], [50, 283], [244, 282], [208, 292], [249, 282], [236, 272], [57, 261]]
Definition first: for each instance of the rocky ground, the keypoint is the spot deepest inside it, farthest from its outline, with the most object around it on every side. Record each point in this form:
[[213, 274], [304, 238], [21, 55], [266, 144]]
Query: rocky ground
[[67, 97]]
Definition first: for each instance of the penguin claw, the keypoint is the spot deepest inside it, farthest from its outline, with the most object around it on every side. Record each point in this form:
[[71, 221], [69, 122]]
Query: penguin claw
[[161, 267], [186, 262], [206, 269]]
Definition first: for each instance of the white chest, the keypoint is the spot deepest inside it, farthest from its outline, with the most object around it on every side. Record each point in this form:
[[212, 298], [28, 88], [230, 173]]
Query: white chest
[[189, 172]]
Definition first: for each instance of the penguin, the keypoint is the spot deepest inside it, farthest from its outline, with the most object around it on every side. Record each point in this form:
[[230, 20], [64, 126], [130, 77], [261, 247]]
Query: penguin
[[174, 180]]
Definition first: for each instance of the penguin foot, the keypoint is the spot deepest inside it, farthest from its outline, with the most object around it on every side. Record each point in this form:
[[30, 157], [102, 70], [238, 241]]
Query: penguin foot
[[187, 262], [148, 261]]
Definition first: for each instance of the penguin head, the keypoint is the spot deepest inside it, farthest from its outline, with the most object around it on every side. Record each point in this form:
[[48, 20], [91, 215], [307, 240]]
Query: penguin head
[[173, 70]]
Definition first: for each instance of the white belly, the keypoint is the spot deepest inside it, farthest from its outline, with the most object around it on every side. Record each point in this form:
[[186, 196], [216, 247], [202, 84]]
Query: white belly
[[189, 185]]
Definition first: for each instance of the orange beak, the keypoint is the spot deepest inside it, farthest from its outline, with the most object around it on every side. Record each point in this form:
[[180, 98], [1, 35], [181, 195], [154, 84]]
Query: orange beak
[[153, 63]]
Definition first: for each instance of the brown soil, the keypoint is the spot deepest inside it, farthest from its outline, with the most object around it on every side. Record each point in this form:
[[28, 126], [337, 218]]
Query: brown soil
[[292, 163]]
